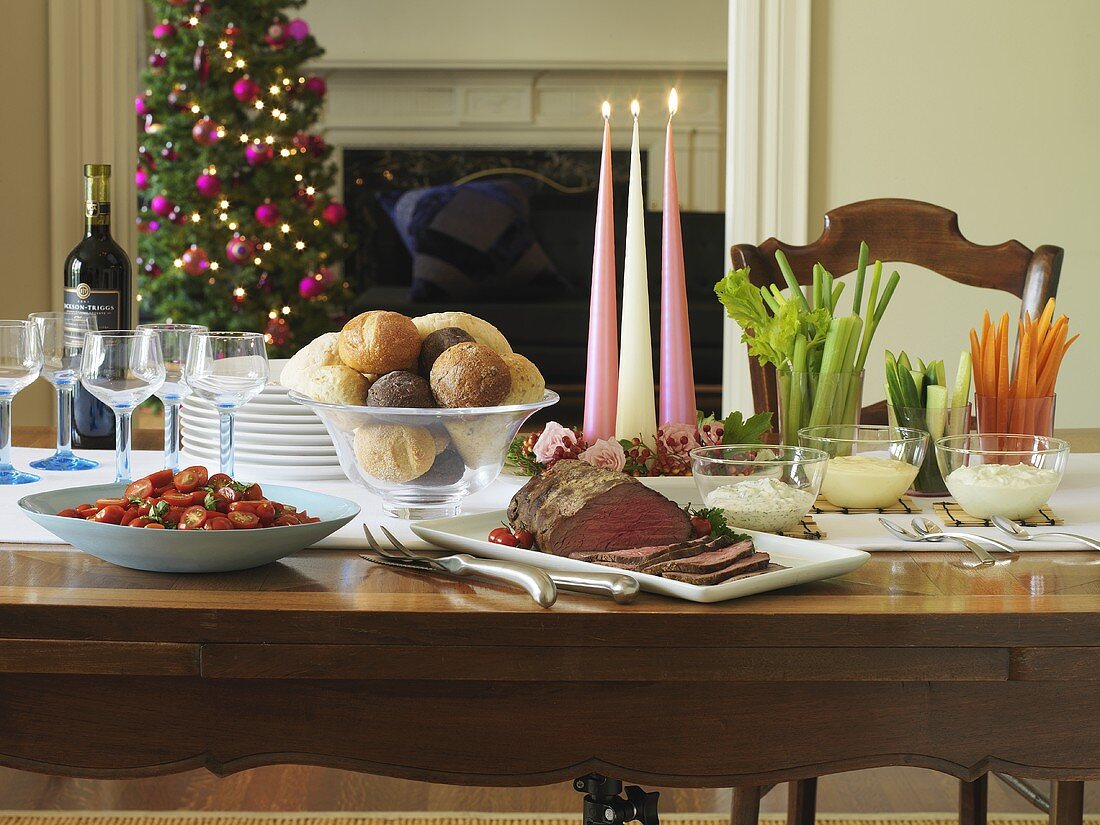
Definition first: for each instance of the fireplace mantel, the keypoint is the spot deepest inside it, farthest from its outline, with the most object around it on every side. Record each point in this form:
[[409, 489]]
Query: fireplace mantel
[[478, 108]]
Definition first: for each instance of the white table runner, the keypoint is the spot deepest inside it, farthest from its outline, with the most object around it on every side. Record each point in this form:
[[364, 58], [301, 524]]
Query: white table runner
[[1077, 501]]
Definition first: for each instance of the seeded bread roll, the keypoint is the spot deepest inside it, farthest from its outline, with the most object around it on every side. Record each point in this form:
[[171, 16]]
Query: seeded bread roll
[[528, 385], [338, 384], [379, 342], [394, 453], [482, 331], [320, 352], [470, 375]]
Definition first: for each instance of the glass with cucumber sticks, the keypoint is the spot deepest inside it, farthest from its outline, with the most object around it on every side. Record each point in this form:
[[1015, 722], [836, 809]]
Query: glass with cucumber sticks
[[818, 351], [918, 396]]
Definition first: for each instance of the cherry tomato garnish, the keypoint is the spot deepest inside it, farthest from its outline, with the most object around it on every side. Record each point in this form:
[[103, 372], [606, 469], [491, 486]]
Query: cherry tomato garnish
[[193, 518], [502, 535], [265, 510], [242, 507], [218, 523], [524, 539], [219, 480], [229, 493], [153, 525], [141, 521], [254, 493], [190, 478], [179, 499], [161, 478], [700, 526], [70, 512], [100, 503], [141, 488], [111, 514], [243, 520], [286, 521]]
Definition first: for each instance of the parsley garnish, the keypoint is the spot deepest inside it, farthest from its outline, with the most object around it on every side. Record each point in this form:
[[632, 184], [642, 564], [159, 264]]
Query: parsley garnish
[[717, 519]]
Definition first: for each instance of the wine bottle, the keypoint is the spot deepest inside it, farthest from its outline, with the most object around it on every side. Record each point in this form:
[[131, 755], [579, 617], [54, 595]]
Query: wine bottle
[[97, 280]]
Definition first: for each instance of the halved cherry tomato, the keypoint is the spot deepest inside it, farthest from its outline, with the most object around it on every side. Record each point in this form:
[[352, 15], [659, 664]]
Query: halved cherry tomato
[[70, 512], [242, 507], [286, 521], [100, 503], [254, 493], [199, 496], [174, 514], [502, 535], [264, 510], [167, 488], [111, 514], [153, 525], [242, 520], [161, 478], [218, 523], [524, 539], [129, 515], [219, 480], [191, 478], [179, 499], [228, 492], [308, 520], [141, 488], [141, 522], [193, 518]]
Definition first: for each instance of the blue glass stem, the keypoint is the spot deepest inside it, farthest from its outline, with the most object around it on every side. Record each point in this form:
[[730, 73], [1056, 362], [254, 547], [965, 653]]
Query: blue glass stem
[[5, 432], [172, 435], [65, 419], [226, 441], [122, 446]]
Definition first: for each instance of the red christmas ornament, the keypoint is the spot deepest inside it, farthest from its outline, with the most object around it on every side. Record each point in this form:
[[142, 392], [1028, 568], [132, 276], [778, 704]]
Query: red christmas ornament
[[158, 60], [309, 200], [316, 86], [200, 9], [194, 260], [201, 62], [175, 97], [310, 287], [168, 153], [141, 178], [178, 2], [335, 213], [161, 205], [276, 36], [231, 31], [267, 214], [300, 141], [209, 186], [325, 276], [246, 90], [205, 132], [277, 331], [264, 282], [239, 249], [257, 154], [298, 29], [317, 145], [164, 31], [152, 269]]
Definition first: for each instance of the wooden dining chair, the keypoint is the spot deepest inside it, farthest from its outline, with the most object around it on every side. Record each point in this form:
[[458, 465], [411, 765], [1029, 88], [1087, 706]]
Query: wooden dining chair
[[914, 232], [901, 231]]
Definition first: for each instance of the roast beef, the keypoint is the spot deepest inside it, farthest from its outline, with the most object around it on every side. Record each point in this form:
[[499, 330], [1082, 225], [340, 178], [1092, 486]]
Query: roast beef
[[637, 558], [712, 559], [751, 564], [574, 507]]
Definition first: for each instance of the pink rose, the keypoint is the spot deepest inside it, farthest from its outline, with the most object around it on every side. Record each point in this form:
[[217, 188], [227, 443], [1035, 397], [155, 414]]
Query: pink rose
[[677, 439], [606, 453], [554, 443]]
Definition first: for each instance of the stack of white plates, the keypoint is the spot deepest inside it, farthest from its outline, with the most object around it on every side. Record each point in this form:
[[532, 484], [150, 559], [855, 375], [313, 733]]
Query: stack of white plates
[[274, 438]]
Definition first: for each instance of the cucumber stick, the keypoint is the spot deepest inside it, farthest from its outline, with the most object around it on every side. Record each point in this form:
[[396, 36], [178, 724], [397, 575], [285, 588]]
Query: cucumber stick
[[935, 411]]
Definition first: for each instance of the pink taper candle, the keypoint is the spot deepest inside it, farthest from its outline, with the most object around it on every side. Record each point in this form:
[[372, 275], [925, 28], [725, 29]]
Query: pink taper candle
[[602, 377], [677, 378]]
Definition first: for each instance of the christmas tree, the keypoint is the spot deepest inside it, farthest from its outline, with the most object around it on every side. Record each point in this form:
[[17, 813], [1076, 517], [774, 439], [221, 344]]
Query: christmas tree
[[236, 227]]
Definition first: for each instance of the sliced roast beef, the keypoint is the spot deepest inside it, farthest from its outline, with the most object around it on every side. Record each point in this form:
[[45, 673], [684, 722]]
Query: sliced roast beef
[[706, 562], [636, 558], [751, 564], [574, 507]]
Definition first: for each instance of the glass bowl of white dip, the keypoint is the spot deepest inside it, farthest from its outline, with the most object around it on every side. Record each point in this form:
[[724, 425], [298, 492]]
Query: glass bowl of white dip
[[870, 466], [759, 487], [999, 474]]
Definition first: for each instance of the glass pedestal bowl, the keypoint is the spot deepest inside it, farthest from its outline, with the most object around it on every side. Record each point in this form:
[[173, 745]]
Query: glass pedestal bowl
[[423, 462]]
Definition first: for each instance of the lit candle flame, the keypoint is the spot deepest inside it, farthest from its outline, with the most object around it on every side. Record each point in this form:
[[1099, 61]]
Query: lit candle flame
[[606, 109], [634, 107], [673, 102]]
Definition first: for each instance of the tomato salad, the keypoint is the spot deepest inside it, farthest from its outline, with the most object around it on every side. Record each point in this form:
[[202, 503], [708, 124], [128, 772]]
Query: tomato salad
[[191, 500]]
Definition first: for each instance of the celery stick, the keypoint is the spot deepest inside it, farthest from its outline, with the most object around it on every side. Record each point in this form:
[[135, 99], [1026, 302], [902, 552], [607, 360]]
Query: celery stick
[[827, 288], [861, 272], [832, 364], [880, 310], [815, 302], [795, 399], [788, 276], [960, 395], [771, 301], [838, 288], [935, 416]]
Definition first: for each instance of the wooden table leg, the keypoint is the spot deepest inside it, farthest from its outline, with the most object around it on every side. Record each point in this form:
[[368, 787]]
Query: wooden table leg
[[974, 801], [802, 802], [1067, 803], [745, 807]]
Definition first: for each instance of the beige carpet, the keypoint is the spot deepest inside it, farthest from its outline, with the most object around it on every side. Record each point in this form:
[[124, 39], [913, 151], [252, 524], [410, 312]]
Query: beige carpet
[[406, 818]]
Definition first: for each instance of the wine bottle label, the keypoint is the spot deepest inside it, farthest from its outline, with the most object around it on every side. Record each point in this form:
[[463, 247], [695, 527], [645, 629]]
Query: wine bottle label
[[105, 304], [97, 209]]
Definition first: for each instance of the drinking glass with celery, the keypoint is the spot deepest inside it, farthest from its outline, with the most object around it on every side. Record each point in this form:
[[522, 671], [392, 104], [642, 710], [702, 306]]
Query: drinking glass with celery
[[818, 352], [919, 397]]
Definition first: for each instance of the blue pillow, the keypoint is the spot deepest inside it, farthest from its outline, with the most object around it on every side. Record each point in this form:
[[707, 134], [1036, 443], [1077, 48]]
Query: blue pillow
[[470, 240]]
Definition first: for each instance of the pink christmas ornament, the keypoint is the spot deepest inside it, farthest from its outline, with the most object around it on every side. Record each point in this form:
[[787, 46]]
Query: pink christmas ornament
[[246, 90], [209, 186], [334, 213], [158, 60], [161, 205], [141, 178], [310, 287], [201, 63], [316, 86], [141, 106], [153, 226], [239, 249], [325, 276], [194, 260], [298, 29], [276, 36], [257, 154], [267, 214], [164, 31]]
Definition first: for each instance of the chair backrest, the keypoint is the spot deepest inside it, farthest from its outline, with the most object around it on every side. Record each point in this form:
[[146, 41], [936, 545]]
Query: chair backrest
[[902, 231]]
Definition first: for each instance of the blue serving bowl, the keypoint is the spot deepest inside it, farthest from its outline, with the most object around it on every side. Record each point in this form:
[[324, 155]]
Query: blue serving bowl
[[187, 551]]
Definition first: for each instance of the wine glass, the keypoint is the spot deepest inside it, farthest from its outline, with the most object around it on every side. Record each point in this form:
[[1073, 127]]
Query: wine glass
[[228, 369], [122, 368], [62, 335], [173, 346], [20, 363]]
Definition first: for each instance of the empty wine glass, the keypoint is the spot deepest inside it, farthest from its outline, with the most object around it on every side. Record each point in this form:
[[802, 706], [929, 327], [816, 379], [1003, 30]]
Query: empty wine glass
[[122, 368], [174, 339], [228, 369], [62, 335], [20, 363]]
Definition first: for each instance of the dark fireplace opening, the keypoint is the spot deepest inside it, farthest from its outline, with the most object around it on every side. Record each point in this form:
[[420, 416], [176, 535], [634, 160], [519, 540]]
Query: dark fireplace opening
[[548, 324]]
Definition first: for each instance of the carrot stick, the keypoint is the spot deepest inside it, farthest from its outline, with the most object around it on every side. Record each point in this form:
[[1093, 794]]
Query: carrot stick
[[976, 360], [1001, 375], [1043, 323], [983, 364], [1051, 376], [1019, 381], [1055, 338]]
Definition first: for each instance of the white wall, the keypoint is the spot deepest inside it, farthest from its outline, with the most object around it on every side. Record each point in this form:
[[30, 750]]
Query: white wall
[[632, 34], [990, 108]]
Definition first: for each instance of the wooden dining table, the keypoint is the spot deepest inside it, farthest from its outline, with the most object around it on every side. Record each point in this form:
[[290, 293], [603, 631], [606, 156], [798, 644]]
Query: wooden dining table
[[918, 658]]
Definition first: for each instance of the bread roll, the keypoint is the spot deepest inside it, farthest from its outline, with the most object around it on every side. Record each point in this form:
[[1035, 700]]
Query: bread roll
[[380, 342], [480, 441], [394, 453], [481, 331], [528, 385], [470, 375], [338, 384], [322, 351]]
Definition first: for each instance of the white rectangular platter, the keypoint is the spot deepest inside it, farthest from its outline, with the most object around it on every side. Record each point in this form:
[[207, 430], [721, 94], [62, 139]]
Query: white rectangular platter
[[804, 561]]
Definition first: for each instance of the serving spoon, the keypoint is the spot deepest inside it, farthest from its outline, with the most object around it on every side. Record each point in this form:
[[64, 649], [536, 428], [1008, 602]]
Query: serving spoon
[[927, 527], [1016, 531], [972, 546]]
